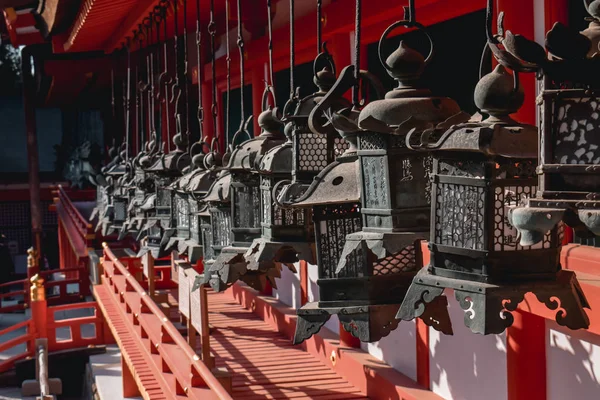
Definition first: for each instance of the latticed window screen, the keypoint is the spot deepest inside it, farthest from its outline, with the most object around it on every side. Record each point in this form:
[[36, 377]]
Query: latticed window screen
[[312, 152], [332, 225], [15, 223], [221, 223]]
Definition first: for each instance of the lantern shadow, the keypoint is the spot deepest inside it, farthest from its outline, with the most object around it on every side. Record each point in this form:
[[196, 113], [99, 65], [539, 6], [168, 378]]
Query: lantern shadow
[[572, 362], [464, 365]]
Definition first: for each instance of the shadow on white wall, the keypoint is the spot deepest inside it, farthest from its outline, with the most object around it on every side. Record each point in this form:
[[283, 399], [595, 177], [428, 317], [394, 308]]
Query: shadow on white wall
[[572, 363], [467, 366]]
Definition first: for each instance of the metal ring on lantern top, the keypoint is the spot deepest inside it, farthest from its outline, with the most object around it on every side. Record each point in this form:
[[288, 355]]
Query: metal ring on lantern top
[[407, 24], [326, 57]]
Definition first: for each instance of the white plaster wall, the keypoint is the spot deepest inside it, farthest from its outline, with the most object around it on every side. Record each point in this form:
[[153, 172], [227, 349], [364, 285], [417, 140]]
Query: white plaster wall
[[288, 287], [398, 349], [467, 366], [572, 364]]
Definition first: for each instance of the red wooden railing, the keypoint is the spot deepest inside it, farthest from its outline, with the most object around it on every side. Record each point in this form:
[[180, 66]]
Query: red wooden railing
[[156, 331], [75, 233], [44, 324], [57, 290]]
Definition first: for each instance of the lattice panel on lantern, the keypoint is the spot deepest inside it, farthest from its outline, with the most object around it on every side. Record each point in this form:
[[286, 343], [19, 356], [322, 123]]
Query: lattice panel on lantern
[[460, 216], [247, 207], [340, 146], [505, 235], [120, 209], [221, 223], [207, 239], [163, 198], [312, 152], [404, 261], [519, 169], [332, 225], [183, 212], [267, 205], [375, 183], [469, 169], [576, 122], [193, 207], [372, 141]]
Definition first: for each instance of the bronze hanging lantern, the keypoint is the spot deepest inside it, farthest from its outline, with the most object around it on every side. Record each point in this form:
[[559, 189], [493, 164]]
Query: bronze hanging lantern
[[186, 233], [483, 168], [569, 111], [285, 233], [245, 205], [246, 216], [110, 208], [367, 285], [166, 169]]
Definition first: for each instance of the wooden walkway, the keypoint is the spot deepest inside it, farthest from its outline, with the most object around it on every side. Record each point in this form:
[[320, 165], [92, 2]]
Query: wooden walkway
[[264, 363]]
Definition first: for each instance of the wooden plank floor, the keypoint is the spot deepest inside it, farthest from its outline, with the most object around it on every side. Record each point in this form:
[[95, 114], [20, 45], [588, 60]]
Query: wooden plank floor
[[264, 363]]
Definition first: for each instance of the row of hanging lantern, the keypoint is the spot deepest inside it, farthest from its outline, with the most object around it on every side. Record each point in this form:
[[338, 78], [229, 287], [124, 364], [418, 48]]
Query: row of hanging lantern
[[355, 187]]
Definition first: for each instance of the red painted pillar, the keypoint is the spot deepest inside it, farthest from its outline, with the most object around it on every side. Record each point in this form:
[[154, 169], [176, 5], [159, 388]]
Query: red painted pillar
[[526, 357], [303, 283], [39, 309], [422, 336]]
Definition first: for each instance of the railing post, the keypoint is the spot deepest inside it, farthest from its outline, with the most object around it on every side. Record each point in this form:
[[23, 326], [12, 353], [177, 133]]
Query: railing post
[[39, 306], [33, 263], [205, 331]]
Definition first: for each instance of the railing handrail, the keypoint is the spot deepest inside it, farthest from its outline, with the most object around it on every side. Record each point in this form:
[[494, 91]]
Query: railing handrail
[[211, 381], [13, 328], [83, 225]]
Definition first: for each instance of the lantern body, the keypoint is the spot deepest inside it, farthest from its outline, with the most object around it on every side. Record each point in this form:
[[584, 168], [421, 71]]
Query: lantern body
[[246, 212], [396, 192], [569, 155], [245, 208], [483, 171], [472, 237]]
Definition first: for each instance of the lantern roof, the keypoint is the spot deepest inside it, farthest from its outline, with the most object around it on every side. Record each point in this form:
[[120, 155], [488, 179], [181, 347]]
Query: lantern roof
[[278, 160], [171, 163], [247, 156], [219, 192], [495, 134], [408, 100], [337, 183]]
